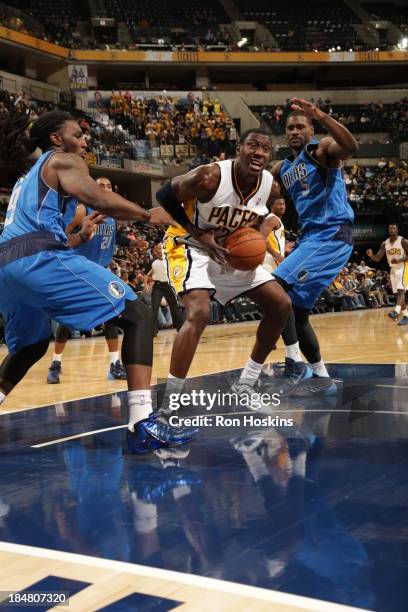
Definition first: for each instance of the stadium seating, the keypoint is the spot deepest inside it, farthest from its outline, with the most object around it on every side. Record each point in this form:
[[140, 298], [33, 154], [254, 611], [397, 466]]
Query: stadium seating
[[367, 118], [187, 22], [302, 25]]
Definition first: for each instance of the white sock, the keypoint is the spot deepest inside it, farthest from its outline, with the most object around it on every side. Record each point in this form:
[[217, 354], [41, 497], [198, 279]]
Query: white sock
[[397, 308], [2, 397], [251, 371], [404, 312], [114, 357], [173, 385], [140, 406], [57, 357], [320, 369], [292, 351]]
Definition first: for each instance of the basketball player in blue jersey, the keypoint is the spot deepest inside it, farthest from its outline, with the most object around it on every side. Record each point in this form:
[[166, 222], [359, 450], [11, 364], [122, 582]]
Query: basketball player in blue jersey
[[313, 178], [100, 250], [42, 277]]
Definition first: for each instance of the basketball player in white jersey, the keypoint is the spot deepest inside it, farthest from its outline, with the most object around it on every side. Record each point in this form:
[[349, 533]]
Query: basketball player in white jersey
[[396, 250], [209, 203], [274, 232]]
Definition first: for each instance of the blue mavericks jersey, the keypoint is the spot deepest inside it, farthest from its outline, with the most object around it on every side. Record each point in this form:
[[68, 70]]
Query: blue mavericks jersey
[[34, 206], [100, 249], [318, 193]]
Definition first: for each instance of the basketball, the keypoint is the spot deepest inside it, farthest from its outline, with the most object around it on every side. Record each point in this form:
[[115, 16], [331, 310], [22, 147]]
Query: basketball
[[246, 248]]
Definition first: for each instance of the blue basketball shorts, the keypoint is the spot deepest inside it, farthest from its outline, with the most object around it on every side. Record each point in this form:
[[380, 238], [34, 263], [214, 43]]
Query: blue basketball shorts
[[314, 263], [55, 284]]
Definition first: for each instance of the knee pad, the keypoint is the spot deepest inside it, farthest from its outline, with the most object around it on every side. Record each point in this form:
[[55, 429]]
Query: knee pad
[[62, 334], [137, 322]]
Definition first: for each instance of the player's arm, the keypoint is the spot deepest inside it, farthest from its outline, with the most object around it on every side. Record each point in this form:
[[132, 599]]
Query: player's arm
[[80, 213], [73, 176], [340, 144], [396, 260], [201, 183], [89, 224], [270, 224], [276, 191], [377, 256]]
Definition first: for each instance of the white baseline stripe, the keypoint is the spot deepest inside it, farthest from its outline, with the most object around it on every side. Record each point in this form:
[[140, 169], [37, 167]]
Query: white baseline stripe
[[81, 435], [304, 603]]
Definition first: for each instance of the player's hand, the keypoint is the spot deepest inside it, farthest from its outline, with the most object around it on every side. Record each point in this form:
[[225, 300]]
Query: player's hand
[[89, 225], [158, 216], [210, 245], [396, 260], [369, 252], [289, 246], [305, 107]]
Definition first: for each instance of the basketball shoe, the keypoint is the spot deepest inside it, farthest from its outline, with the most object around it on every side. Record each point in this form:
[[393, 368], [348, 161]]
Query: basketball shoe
[[54, 372], [288, 376], [404, 321], [155, 432], [393, 315], [116, 371], [316, 385]]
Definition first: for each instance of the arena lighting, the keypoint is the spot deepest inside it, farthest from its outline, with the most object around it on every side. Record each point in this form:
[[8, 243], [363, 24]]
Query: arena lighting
[[351, 50], [242, 42], [338, 48], [403, 44]]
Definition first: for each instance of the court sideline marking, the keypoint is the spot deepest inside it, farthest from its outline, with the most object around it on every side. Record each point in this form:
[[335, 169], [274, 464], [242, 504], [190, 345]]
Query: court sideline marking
[[184, 579]]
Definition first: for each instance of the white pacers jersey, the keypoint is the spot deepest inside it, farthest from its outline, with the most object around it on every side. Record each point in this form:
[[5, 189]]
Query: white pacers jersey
[[276, 239], [228, 209], [394, 249]]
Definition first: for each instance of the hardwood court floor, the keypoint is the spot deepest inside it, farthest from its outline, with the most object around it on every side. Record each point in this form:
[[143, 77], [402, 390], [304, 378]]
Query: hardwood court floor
[[367, 336]]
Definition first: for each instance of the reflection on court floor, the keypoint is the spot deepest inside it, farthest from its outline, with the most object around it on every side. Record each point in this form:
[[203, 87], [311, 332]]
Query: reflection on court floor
[[315, 509]]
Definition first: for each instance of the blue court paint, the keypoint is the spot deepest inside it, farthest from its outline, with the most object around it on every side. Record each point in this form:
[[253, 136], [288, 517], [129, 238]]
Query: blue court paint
[[317, 509], [142, 603]]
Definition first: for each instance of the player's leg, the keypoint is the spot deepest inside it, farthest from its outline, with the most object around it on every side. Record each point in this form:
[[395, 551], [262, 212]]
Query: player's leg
[[173, 305], [62, 335], [16, 365], [309, 344], [26, 342], [146, 431], [197, 306], [308, 270], [403, 307], [275, 305], [396, 277], [157, 295], [116, 369], [87, 295], [188, 275]]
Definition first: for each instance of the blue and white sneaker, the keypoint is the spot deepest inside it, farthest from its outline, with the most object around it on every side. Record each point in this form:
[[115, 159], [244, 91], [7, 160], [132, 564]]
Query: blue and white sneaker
[[54, 372], [404, 321], [289, 375], [393, 315], [117, 371], [155, 432]]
